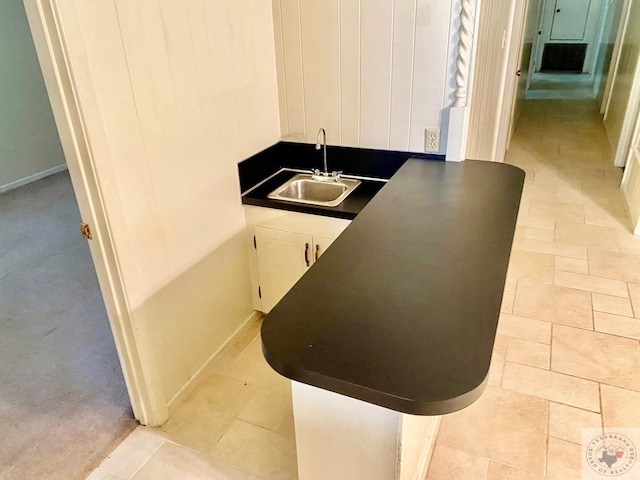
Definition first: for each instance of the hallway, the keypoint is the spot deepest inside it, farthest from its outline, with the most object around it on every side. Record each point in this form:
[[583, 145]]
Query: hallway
[[567, 354]]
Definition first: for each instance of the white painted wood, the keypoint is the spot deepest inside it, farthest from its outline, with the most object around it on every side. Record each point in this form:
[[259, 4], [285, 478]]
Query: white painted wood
[[390, 70], [624, 99], [569, 19], [350, 72], [615, 57], [404, 28], [320, 26], [631, 181], [417, 442], [283, 257], [376, 37], [294, 71], [339, 437], [489, 79], [321, 230], [32, 178]]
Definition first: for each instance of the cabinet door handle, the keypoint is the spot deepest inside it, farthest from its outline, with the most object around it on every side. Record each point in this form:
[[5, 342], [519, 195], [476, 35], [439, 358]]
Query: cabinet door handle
[[317, 251], [306, 253]]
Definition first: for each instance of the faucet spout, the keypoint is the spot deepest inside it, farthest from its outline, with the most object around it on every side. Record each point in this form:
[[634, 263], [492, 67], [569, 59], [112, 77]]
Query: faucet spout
[[324, 149]]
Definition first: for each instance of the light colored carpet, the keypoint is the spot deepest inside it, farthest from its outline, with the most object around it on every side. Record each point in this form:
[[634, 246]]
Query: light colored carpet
[[63, 401]]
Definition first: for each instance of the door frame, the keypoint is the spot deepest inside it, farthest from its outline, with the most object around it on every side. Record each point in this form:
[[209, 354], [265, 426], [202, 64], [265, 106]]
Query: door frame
[[149, 407]]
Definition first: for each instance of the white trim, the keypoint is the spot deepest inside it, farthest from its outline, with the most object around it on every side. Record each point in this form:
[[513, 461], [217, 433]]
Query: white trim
[[205, 370], [615, 59], [32, 178]]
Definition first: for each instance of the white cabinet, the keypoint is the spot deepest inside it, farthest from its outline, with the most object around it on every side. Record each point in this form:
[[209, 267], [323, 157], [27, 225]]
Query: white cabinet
[[283, 257], [283, 246]]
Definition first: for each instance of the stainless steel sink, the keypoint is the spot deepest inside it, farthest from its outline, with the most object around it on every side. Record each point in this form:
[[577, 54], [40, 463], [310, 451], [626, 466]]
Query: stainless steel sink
[[303, 188]]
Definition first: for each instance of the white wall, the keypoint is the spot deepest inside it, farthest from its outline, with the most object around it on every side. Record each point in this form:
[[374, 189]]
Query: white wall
[[611, 11], [373, 73], [617, 121], [173, 95], [29, 143]]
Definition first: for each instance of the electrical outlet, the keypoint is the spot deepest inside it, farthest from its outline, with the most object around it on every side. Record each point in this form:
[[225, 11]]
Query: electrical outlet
[[432, 140]]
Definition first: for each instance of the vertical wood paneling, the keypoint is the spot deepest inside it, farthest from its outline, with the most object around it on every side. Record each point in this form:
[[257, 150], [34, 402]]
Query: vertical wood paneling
[[375, 81], [430, 70], [291, 36], [350, 72], [320, 26], [404, 27], [385, 60], [280, 70]]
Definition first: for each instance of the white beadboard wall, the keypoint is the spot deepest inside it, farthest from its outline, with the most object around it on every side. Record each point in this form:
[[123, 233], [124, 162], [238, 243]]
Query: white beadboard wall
[[174, 95], [373, 73]]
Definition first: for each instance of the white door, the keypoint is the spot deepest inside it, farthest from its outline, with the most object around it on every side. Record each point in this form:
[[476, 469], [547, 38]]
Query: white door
[[283, 257], [570, 19]]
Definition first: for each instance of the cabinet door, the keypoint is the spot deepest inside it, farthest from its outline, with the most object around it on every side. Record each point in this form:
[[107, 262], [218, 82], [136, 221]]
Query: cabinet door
[[320, 245], [283, 257]]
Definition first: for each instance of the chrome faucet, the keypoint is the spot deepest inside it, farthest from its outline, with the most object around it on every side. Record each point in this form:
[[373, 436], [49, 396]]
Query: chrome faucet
[[324, 149]]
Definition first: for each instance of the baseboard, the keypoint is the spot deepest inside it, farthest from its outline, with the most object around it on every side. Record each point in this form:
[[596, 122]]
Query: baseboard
[[206, 368], [426, 461], [32, 178]]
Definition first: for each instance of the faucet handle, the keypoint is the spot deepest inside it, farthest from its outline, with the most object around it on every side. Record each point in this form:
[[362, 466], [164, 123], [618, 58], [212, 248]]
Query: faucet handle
[[336, 175]]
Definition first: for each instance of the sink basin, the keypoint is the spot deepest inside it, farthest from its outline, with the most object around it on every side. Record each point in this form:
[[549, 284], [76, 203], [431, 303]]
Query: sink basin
[[302, 188]]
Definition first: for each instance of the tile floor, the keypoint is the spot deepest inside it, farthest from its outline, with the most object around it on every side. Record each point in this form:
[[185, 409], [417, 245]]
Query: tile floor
[[567, 354]]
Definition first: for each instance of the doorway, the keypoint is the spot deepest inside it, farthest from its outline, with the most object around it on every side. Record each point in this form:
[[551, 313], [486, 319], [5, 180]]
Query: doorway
[[63, 399]]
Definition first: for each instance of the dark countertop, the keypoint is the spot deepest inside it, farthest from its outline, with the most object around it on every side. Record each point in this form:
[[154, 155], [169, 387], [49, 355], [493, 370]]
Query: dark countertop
[[402, 310], [379, 164]]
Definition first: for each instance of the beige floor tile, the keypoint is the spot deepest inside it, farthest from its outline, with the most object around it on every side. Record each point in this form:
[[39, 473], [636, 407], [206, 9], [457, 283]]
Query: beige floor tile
[[498, 358], [532, 266], [507, 303], [566, 423], [538, 234], [132, 453], [497, 425], [231, 353], [172, 461], [454, 464], [572, 265], [252, 368], [591, 283], [616, 265], [524, 328], [634, 294], [552, 303], [617, 325], [102, 474], [555, 248], [564, 460], [500, 471], [510, 286], [553, 386], [620, 407], [610, 304], [258, 451], [528, 353], [587, 235], [542, 222], [288, 428], [208, 412], [596, 356], [560, 211], [267, 409]]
